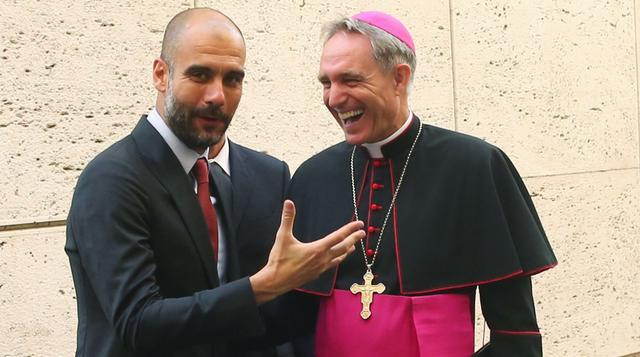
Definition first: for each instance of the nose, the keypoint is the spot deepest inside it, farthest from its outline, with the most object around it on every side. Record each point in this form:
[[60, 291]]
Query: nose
[[335, 96], [214, 93]]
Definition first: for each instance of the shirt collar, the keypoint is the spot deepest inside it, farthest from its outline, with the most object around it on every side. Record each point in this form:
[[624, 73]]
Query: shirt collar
[[186, 156], [375, 149], [222, 159]]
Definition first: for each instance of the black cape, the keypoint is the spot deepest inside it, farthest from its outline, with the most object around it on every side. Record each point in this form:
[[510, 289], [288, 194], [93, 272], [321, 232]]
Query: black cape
[[463, 216]]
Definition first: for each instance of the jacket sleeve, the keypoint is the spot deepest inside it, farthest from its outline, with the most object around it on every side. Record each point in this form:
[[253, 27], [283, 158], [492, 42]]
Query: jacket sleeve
[[509, 310], [109, 238]]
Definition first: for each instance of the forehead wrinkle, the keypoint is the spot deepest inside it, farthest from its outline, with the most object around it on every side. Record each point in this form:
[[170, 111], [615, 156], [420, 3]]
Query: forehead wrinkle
[[216, 50], [219, 51], [216, 63]]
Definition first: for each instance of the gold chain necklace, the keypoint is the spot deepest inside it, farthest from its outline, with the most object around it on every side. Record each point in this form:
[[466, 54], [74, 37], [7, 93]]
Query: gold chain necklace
[[367, 289]]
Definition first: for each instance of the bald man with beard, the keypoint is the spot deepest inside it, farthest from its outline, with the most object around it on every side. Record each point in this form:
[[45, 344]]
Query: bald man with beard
[[154, 263]]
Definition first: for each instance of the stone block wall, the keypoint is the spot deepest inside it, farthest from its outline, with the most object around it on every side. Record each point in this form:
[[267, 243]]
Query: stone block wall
[[553, 83]]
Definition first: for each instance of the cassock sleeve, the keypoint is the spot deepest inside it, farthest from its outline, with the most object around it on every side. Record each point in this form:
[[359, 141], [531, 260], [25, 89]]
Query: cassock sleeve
[[509, 310]]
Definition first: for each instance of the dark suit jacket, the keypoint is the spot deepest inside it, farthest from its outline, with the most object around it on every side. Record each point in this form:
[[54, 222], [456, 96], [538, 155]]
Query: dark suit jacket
[[142, 263], [259, 184]]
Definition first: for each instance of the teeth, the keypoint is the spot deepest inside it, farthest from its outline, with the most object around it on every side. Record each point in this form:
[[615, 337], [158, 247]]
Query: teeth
[[349, 114]]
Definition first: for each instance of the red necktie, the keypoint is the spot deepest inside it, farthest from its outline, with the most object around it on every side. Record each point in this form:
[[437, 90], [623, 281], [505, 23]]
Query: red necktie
[[201, 172]]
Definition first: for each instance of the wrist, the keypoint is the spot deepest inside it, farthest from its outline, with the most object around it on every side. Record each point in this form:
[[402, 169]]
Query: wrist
[[262, 284]]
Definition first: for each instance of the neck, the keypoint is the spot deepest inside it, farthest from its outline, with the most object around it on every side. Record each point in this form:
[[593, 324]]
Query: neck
[[214, 149], [160, 108], [375, 148], [397, 122]]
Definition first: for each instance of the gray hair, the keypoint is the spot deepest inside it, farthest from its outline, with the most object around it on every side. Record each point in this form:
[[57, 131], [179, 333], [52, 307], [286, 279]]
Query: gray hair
[[388, 51]]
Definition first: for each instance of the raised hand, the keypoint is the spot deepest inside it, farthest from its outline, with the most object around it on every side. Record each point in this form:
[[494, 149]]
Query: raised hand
[[292, 263]]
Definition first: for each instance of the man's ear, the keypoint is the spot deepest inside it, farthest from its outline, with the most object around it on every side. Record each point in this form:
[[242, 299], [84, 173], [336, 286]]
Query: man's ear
[[402, 78], [160, 74]]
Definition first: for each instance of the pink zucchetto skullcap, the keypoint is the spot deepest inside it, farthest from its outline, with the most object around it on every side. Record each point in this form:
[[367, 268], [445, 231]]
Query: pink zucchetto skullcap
[[388, 24]]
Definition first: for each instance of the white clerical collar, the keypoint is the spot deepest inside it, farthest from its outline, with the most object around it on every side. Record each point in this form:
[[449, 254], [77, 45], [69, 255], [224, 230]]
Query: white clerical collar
[[375, 149], [222, 159], [186, 156]]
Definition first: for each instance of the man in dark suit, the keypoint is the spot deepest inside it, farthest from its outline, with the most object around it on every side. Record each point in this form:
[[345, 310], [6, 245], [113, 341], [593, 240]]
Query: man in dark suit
[[153, 276], [251, 210]]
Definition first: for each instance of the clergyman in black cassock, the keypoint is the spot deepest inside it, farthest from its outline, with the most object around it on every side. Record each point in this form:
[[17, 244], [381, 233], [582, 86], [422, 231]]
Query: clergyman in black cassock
[[445, 212]]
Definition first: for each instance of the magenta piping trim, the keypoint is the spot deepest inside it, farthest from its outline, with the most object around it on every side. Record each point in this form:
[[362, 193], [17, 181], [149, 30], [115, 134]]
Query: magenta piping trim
[[312, 292], [373, 172], [395, 229], [539, 270], [519, 272], [482, 282]]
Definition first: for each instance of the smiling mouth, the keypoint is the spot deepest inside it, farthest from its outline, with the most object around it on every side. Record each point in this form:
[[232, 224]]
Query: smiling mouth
[[350, 116]]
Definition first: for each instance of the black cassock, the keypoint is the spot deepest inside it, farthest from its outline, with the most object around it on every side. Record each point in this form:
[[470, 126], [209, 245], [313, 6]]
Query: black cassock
[[463, 218]]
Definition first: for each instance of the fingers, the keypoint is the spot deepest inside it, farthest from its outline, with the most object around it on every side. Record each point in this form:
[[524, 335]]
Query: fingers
[[339, 235], [337, 260], [345, 247], [288, 216]]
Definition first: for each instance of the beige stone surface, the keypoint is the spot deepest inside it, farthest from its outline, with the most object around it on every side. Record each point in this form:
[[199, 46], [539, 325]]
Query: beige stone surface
[[589, 305], [37, 298], [553, 83], [76, 77]]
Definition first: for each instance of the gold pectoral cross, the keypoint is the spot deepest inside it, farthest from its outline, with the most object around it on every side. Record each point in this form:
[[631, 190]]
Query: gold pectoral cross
[[366, 290]]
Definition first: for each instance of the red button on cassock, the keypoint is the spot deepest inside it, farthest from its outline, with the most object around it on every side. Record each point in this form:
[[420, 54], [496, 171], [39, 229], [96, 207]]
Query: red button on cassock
[[372, 229], [375, 207], [378, 163], [377, 186], [370, 252]]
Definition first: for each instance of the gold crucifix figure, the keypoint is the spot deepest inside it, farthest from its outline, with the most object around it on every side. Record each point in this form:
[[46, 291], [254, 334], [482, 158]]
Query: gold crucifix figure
[[366, 293]]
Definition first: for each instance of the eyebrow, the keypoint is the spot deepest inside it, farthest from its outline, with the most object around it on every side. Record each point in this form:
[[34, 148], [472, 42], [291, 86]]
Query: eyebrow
[[343, 75], [196, 68], [237, 72], [351, 74]]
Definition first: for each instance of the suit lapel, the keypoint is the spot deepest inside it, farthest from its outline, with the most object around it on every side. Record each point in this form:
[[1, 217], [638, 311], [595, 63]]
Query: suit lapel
[[241, 182], [162, 162]]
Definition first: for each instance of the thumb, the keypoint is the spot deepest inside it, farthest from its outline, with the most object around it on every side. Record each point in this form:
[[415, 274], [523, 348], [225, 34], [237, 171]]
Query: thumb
[[288, 216]]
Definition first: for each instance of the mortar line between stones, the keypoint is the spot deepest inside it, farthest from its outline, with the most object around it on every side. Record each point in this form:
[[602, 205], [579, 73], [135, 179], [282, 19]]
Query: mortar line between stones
[[22, 226], [453, 69], [585, 172], [32, 225], [635, 37]]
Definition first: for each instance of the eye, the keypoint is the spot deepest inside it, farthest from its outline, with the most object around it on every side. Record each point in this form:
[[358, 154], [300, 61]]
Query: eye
[[200, 77], [234, 79], [325, 84], [351, 81]]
